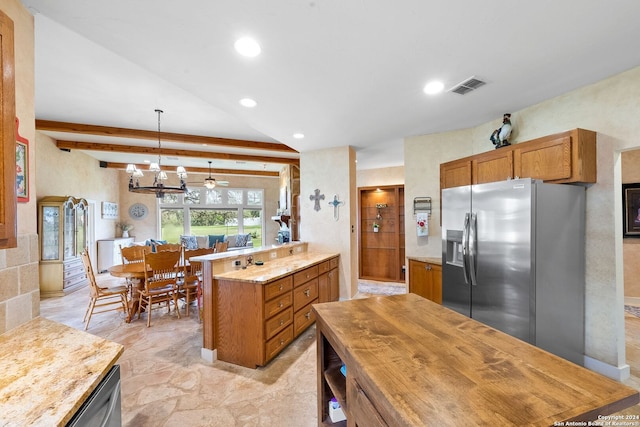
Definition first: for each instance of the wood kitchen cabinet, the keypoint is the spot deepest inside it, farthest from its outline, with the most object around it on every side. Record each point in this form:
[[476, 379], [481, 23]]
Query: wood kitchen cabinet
[[258, 316], [425, 279], [328, 281], [566, 157]]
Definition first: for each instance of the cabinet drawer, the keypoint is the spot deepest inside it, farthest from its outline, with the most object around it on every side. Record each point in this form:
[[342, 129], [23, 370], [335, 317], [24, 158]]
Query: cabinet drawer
[[277, 343], [74, 280], [323, 267], [278, 304], [305, 275], [333, 263], [278, 323], [303, 319], [304, 294], [278, 287]]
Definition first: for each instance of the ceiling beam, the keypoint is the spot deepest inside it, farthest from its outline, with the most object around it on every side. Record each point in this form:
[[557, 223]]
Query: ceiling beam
[[118, 148], [53, 126], [214, 171]]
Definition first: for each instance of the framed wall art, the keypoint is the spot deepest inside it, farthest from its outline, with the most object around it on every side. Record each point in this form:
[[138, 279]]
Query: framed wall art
[[631, 210], [109, 210], [22, 166]]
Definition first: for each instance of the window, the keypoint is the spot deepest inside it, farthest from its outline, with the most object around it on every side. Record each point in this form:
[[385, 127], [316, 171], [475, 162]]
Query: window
[[218, 211]]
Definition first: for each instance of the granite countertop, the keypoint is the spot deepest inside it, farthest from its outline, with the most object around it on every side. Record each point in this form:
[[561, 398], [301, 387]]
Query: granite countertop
[[48, 371], [275, 268], [430, 260]]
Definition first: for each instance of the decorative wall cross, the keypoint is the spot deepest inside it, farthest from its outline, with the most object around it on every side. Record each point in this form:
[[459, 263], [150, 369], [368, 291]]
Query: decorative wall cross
[[316, 198], [336, 204]]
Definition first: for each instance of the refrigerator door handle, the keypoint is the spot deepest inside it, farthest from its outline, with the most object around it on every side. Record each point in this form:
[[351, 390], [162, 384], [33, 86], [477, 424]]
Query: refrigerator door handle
[[465, 249], [473, 240]]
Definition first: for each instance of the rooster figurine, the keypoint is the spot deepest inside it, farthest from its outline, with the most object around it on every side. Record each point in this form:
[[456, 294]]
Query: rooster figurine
[[500, 137]]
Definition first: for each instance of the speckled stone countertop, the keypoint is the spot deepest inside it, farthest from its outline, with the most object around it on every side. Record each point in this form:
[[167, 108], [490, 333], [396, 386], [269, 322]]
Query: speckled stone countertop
[[430, 260], [48, 371], [275, 268]]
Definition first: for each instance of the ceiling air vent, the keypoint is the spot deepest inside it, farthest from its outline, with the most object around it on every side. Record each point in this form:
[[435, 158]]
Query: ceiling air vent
[[467, 86]]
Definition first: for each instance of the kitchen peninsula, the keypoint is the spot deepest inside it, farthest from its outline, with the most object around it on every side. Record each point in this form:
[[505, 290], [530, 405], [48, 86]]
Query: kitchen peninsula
[[410, 361], [252, 311]]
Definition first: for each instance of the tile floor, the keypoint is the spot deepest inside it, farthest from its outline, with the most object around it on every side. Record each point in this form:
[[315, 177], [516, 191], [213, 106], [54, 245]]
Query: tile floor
[[166, 383]]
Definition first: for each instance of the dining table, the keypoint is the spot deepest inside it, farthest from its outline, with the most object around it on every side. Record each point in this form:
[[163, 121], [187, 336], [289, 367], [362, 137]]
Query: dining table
[[135, 272]]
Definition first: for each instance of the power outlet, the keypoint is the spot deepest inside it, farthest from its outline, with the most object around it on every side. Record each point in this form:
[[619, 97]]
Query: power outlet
[[273, 255], [236, 263], [299, 249]]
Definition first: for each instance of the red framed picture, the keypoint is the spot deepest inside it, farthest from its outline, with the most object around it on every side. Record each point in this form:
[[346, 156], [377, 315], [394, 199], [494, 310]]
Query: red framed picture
[[22, 166]]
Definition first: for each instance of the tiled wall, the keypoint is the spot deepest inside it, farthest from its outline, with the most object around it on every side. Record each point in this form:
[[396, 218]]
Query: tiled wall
[[19, 285]]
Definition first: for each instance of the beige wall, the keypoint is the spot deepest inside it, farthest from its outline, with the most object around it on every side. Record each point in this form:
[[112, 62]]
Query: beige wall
[[19, 283], [608, 107], [381, 176], [631, 247], [323, 232]]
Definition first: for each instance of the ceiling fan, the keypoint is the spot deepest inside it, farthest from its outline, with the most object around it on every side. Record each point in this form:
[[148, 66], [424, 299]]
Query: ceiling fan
[[211, 182]]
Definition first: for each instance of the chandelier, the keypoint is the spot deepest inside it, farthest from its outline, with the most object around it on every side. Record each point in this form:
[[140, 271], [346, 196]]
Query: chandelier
[[158, 188]]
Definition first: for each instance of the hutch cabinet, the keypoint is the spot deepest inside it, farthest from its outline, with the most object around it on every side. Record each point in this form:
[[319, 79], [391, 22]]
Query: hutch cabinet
[[62, 228]]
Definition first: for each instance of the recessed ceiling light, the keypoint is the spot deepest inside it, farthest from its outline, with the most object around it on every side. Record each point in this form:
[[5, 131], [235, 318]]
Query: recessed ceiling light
[[433, 87], [247, 46], [298, 135], [248, 102]]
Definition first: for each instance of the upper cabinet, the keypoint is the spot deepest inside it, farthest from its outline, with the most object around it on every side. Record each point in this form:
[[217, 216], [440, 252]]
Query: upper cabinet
[[8, 224], [567, 157]]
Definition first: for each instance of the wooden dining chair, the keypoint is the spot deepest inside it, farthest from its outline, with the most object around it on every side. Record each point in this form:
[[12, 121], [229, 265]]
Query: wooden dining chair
[[101, 297], [221, 247], [131, 254], [190, 288], [169, 247], [161, 281]]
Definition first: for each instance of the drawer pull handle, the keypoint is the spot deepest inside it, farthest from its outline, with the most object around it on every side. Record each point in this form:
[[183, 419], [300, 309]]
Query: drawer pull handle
[[281, 322], [280, 305], [307, 315], [307, 292], [281, 342], [281, 287]]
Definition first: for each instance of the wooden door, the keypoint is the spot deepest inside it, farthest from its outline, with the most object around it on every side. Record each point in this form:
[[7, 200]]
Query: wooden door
[[381, 250]]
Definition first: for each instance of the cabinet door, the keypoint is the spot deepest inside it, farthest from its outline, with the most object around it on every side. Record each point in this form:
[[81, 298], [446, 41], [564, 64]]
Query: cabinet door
[[548, 160], [418, 280], [334, 285], [436, 283], [324, 292], [361, 411], [492, 166], [455, 174]]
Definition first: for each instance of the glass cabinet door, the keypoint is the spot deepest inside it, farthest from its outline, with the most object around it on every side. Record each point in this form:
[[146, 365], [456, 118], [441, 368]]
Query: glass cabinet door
[[81, 227], [69, 231], [50, 232]]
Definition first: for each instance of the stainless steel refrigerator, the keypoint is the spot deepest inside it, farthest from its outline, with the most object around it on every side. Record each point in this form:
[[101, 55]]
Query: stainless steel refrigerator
[[513, 258]]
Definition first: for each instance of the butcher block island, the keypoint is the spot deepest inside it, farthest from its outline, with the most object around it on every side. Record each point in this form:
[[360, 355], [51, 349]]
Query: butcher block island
[[408, 361], [260, 309]]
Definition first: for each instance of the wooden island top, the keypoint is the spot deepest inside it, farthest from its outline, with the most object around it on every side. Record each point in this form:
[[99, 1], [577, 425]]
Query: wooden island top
[[413, 362]]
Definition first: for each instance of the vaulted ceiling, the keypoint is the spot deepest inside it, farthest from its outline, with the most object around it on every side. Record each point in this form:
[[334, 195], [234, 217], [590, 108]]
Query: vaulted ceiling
[[340, 72]]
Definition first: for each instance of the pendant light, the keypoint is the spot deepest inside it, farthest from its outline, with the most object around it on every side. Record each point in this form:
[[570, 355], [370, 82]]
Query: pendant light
[[158, 188]]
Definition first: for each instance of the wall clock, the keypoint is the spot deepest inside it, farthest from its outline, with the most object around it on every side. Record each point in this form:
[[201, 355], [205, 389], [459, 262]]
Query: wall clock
[[138, 211]]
